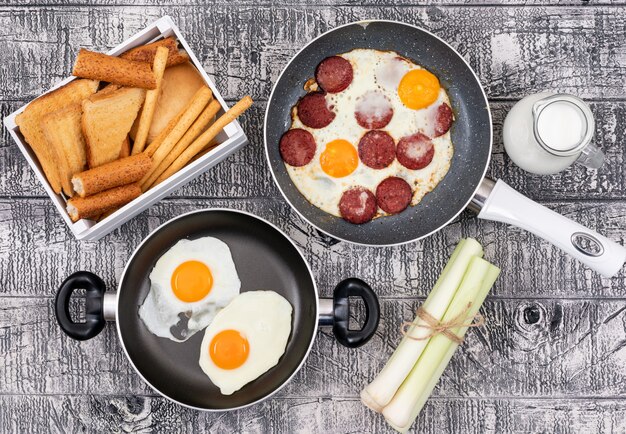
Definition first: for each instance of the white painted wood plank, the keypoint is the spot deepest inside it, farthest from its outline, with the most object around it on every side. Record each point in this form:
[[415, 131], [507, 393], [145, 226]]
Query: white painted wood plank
[[326, 3], [66, 413], [40, 251], [515, 51], [532, 348]]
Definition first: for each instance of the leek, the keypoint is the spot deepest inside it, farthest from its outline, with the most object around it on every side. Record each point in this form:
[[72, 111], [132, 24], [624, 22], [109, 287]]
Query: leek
[[416, 389], [381, 391]]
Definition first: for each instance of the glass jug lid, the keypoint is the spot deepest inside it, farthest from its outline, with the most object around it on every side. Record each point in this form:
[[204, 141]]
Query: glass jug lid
[[563, 124]]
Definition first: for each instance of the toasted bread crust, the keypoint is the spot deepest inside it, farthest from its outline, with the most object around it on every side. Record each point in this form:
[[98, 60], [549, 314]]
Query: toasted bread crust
[[30, 121], [125, 151], [92, 206], [146, 53], [111, 87], [98, 66], [119, 172]]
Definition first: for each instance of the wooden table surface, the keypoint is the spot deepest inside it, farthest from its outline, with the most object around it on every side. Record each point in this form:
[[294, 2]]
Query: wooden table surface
[[552, 355]]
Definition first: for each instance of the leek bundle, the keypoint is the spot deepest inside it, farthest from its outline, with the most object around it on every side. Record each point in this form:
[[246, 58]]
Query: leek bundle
[[380, 391], [400, 392]]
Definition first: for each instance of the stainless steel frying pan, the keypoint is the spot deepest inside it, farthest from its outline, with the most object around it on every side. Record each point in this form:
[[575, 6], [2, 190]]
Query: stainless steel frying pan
[[465, 184]]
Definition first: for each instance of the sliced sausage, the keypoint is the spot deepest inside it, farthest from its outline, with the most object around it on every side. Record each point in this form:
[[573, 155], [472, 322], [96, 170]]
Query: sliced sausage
[[373, 110], [415, 151], [334, 74], [443, 120], [297, 147], [393, 195], [357, 205], [377, 149], [313, 110]]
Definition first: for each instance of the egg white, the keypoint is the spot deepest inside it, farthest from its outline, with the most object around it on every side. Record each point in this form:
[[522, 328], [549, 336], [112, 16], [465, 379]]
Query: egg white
[[164, 314], [264, 319], [380, 71]]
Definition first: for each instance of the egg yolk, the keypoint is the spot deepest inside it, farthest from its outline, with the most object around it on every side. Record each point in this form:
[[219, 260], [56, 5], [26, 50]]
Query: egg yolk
[[229, 349], [418, 89], [339, 159], [191, 281]]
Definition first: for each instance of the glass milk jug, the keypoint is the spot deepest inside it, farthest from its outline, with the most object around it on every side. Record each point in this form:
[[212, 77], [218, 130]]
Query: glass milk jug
[[545, 133]]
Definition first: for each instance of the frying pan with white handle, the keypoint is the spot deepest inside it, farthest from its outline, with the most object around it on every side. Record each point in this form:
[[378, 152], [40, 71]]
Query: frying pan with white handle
[[465, 184]]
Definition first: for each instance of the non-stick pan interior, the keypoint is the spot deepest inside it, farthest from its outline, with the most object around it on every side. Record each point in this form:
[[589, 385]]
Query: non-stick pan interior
[[265, 259], [471, 131]]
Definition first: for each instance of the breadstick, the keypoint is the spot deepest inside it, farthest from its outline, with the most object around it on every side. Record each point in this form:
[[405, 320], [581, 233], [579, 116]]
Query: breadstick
[[98, 66], [105, 215], [154, 145], [160, 59], [204, 151], [110, 175], [196, 105], [198, 126], [92, 206], [208, 148], [206, 137]]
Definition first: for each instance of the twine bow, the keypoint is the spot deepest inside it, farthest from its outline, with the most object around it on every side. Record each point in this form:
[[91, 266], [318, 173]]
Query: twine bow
[[439, 327]]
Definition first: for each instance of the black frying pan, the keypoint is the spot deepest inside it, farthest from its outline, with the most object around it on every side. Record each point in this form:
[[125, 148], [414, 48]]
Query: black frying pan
[[265, 258], [471, 131], [464, 185]]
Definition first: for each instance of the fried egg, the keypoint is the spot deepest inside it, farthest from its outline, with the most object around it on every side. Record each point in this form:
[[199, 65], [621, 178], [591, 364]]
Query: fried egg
[[189, 284], [381, 80], [245, 339]]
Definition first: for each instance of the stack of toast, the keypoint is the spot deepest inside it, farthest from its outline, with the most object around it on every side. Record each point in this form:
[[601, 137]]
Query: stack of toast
[[125, 125]]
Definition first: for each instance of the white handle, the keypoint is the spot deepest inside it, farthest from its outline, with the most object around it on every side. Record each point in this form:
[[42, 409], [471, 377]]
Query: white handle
[[506, 205]]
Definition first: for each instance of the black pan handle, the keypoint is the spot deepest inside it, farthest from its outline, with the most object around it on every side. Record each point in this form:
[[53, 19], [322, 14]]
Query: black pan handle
[[337, 314], [94, 315]]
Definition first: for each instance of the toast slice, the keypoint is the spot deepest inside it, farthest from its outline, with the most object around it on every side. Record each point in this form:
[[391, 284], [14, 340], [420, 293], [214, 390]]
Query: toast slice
[[30, 123], [106, 121], [62, 130]]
